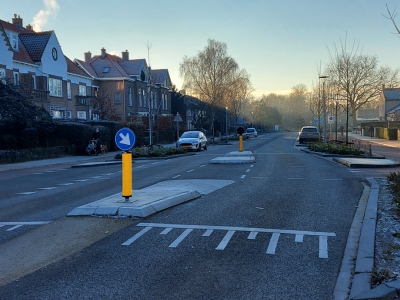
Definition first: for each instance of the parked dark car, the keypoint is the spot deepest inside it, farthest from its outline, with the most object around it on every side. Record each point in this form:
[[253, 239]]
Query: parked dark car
[[192, 140], [309, 134]]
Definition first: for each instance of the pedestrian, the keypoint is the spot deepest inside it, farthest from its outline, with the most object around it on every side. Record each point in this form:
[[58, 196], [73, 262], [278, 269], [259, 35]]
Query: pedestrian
[[371, 130], [96, 136], [341, 130]]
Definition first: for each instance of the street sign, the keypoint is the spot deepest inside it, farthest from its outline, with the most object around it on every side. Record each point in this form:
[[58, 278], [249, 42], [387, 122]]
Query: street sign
[[178, 118], [125, 139], [318, 120], [330, 119]]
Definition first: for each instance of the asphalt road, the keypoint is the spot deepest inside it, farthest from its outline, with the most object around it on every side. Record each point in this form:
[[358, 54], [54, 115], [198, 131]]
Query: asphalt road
[[278, 231]]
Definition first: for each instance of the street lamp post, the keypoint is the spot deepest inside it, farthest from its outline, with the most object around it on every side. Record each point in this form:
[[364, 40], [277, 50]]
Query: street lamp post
[[323, 78], [226, 121]]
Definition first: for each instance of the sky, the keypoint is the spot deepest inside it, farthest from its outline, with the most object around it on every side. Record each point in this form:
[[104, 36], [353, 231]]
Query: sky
[[280, 43]]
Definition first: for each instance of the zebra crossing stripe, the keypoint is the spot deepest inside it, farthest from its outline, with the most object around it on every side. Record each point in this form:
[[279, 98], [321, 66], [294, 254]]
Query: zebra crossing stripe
[[225, 240], [272, 243], [180, 238], [136, 236]]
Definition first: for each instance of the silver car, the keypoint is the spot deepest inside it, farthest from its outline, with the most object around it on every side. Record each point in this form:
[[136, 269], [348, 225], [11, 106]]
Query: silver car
[[192, 140], [309, 134]]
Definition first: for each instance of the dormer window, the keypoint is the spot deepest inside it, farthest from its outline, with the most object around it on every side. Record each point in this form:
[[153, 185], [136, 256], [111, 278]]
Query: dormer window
[[106, 69], [13, 38]]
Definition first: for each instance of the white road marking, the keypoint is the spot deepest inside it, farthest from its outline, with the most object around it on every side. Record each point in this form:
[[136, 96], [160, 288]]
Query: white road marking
[[180, 238], [48, 188], [81, 180], [68, 183], [299, 235], [333, 179], [252, 235], [37, 173], [136, 236], [50, 171], [25, 193], [251, 166], [176, 176], [166, 230], [272, 243], [248, 170], [323, 247], [225, 240], [15, 227], [299, 238], [190, 170], [24, 223], [295, 178], [107, 174], [208, 232], [202, 166], [243, 176], [257, 177]]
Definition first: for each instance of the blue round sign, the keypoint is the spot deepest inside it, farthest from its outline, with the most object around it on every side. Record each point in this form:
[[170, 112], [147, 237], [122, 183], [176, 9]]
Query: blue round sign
[[125, 139]]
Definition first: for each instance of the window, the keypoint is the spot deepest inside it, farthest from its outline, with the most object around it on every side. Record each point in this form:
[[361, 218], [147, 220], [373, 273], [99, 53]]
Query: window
[[140, 97], [16, 78], [118, 98], [55, 87], [69, 90], [82, 90], [81, 114], [69, 114], [106, 69], [33, 82], [130, 97], [2, 73], [58, 112], [13, 38]]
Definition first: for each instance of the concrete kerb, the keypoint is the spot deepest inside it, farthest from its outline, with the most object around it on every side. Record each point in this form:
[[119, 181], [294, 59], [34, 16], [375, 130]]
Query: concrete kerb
[[361, 284], [146, 202]]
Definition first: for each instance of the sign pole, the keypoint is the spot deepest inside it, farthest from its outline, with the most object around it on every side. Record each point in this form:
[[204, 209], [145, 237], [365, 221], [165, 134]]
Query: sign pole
[[125, 140], [126, 175]]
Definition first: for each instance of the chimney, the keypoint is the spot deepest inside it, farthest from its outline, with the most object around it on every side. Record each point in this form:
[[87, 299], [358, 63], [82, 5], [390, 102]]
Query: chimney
[[125, 55], [88, 56], [17, 21], [29, 27], [103, 53]]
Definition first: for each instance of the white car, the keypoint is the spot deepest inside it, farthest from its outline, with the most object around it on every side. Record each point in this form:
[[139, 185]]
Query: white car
[[192, 140], [251, 132]]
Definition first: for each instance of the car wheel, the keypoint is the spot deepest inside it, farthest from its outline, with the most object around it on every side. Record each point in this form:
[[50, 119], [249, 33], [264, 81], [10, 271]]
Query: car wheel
[[205, 147], [199, 149]]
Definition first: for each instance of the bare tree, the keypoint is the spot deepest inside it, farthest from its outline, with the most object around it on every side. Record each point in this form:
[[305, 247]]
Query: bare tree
[[357, 77], [392, 17], [104, 107], [208, 75]]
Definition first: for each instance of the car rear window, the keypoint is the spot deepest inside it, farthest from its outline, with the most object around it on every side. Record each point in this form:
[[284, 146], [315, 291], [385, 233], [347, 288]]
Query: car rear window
[[309, 130]]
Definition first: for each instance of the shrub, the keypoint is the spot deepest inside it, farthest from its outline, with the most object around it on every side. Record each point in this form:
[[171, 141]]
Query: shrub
[[335, 149], [155, 152]]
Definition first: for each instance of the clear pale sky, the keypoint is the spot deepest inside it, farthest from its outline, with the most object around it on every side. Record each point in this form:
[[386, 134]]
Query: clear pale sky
[[281, 43]]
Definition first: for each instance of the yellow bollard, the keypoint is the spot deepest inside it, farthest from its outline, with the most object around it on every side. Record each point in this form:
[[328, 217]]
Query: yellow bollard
[[126, 175], [240, 143]]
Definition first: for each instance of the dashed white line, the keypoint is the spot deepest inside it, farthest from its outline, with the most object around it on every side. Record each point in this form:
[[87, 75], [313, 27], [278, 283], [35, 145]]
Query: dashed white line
[[15, 227], [190, 170], [248, 170], [202, 166], [81, 180], [25, 193], [67, 183], [243, 176], [176, 176], [333, 179], [47, 188]]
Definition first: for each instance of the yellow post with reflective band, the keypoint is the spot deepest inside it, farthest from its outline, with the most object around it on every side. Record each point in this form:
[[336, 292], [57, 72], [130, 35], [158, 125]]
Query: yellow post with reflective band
[[126, 175], [240, 143]]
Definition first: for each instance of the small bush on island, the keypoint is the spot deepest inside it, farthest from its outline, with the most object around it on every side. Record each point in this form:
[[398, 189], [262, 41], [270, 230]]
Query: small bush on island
[[155, 152], [335, 149]]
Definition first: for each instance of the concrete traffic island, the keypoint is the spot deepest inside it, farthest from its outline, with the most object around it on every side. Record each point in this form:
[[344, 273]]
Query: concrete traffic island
[[235, 157], [366, 162]]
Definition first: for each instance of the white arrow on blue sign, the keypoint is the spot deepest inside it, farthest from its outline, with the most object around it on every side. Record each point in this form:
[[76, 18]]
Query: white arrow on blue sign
[[125, 139]]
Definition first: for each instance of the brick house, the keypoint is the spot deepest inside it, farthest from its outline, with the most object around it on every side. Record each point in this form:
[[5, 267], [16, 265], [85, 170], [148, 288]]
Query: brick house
[[35, 64], [131, 86]]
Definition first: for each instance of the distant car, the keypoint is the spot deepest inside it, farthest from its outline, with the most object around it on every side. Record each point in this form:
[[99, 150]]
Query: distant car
[[251, 132], [192, 140], [309, 134]]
